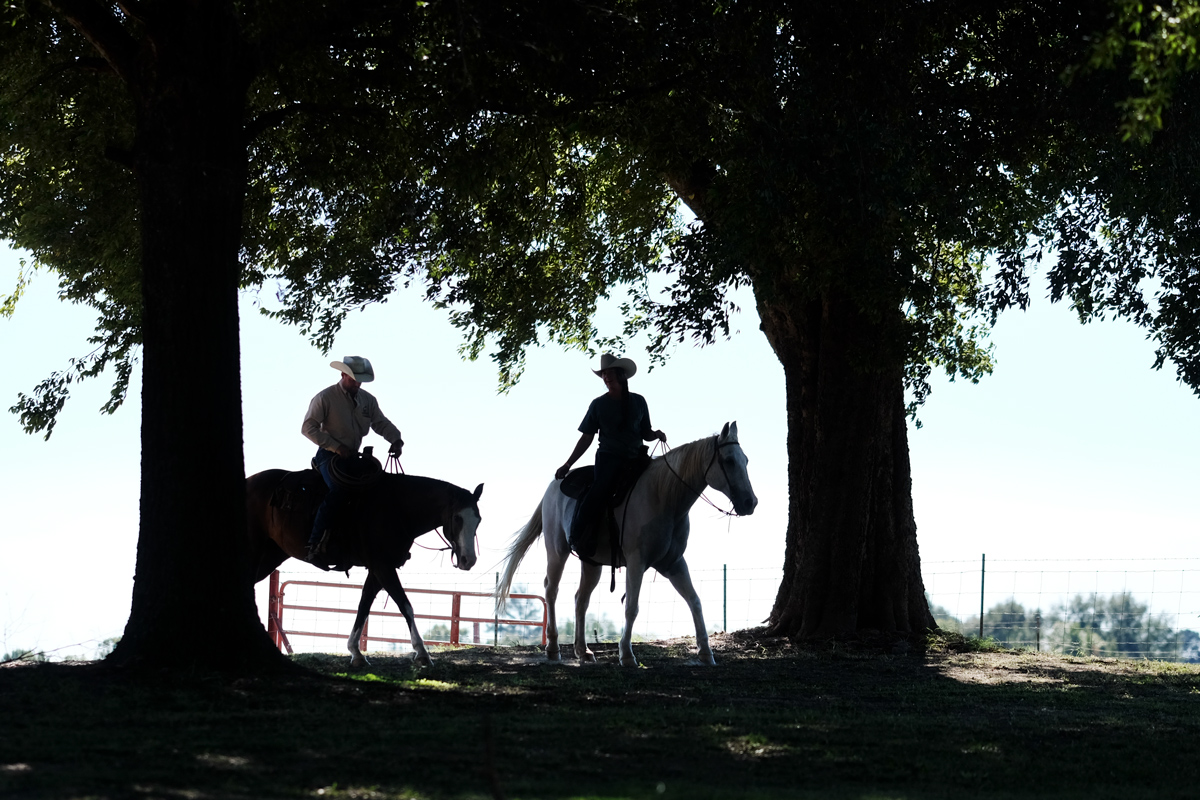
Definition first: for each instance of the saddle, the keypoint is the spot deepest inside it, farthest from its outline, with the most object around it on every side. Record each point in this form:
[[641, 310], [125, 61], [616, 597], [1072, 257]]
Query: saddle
[[580, 479], [576, 485], [301, 494], [355, 473]]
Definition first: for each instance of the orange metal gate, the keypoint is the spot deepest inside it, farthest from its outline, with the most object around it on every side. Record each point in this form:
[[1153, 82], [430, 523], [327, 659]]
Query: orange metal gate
[[276, 607]]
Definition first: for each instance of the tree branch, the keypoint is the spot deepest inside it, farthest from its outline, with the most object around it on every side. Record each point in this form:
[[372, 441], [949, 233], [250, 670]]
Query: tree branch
[[692, 188], [103, 31]]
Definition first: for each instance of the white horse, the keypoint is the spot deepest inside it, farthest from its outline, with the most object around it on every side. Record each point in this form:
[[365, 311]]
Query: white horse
[[654, 522]]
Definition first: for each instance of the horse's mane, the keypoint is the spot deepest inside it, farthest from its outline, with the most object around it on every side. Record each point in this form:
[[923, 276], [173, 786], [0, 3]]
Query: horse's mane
[[690, 459], [407, 482]]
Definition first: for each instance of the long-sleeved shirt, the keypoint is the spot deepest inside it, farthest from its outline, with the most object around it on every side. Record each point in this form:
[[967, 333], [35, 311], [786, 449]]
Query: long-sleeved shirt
[[336, 419]]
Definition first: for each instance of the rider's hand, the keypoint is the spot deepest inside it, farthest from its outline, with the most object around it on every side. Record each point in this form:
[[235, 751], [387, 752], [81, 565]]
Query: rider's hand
[[561, 472], [396, 447], [662, 437]]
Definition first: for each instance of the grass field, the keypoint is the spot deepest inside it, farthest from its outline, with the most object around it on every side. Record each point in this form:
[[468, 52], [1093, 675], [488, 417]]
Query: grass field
[[770, 721]]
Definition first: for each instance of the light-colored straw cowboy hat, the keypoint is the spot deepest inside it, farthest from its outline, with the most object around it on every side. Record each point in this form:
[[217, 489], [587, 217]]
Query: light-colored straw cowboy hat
[[356, 367], [609, 361]]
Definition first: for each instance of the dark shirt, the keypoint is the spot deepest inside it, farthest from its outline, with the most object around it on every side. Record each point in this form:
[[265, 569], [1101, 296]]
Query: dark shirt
[[622, 430]]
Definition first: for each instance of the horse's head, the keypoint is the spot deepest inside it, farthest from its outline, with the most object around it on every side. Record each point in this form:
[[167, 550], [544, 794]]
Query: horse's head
[[462, 522], [728, 474]]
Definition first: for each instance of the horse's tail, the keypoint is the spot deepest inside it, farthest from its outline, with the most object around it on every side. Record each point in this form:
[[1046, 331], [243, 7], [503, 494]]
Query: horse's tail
[[516, 551]]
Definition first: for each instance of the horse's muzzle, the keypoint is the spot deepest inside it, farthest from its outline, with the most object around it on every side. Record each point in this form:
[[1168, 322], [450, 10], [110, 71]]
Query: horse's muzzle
[[744, 506]]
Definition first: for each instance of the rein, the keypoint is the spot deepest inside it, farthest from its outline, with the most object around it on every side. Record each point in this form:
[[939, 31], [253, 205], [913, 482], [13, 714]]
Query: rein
[[700, 494], [394, 467]]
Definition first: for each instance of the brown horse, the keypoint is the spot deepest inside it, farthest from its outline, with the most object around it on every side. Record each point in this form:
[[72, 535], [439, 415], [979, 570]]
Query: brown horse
[[381, 523]]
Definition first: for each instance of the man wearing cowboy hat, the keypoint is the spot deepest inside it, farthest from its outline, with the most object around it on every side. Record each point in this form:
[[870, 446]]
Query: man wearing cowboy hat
[[338, 418], [622, 419]]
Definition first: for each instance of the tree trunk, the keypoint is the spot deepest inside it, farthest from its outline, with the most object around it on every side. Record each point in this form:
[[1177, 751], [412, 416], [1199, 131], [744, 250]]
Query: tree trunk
[[193, 603], [851, 562]]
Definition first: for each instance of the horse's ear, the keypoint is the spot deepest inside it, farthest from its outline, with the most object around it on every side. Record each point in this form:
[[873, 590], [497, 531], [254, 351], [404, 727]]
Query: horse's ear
[[725, 431], [478, 491], [733, 430]]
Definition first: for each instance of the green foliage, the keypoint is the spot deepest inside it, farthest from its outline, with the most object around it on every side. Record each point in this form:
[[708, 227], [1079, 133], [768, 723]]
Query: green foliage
[[63, 195], [1119, 626], [1156, 44], [518, 166], [374, 161], [848, 150]]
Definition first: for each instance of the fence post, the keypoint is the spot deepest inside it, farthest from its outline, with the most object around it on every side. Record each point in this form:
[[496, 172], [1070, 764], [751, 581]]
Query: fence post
[[455, 613], [273, 614], [982, 576], [496, 617], [725, 598]]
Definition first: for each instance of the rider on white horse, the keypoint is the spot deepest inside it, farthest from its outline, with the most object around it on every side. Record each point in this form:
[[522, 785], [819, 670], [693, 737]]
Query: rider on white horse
[[337, 420], [622, 419]]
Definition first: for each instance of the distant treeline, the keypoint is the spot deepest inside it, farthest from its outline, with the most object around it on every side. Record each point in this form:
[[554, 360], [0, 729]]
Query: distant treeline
[[1116, 625]]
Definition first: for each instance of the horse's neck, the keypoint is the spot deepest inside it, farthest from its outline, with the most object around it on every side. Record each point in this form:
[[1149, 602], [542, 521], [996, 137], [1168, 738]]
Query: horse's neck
[[685, 480], [415, 501]]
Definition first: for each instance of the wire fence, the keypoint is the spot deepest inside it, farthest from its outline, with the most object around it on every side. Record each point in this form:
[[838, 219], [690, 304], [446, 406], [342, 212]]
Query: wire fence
[[1130, 608]]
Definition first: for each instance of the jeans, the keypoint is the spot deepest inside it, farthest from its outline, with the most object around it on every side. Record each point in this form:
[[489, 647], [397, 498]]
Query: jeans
[[331, 507], [593, 508]]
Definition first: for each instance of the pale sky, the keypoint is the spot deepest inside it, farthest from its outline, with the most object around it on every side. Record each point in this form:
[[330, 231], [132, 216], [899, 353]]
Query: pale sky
[[1074, 449]]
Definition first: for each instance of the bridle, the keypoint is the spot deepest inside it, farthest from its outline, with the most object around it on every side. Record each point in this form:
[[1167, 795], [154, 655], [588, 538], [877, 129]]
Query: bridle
[[717, 445]]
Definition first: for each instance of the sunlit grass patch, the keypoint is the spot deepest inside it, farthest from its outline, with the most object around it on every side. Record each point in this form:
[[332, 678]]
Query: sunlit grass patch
[[409, 683], [951, 642], [754, 745]]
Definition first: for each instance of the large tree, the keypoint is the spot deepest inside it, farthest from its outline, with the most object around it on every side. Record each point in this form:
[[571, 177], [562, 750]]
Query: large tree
[[160, 155], [853, 163]]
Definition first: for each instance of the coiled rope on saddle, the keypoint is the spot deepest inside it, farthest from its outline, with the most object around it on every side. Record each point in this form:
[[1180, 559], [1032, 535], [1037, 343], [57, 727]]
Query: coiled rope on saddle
[[357, 472]]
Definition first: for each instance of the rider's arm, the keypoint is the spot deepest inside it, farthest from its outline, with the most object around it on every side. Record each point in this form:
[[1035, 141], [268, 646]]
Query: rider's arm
[[585, 441], [648, 432], [384, 427]]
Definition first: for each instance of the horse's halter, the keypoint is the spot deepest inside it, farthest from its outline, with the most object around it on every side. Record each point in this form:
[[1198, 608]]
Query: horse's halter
[[717, 445], [448, 525]]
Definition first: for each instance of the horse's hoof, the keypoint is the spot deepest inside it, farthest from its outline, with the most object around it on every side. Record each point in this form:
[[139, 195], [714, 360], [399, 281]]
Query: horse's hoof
[[629, 662], [359, 661], [588, 657], [707, 659], [553, 656], [423, 660]]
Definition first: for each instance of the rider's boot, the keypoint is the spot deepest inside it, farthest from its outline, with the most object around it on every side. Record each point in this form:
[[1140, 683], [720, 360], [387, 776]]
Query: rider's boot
[[586, 538]]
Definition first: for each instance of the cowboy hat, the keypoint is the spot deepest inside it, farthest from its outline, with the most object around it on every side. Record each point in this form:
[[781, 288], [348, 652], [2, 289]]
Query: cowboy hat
[[609, 361], [356, 367]]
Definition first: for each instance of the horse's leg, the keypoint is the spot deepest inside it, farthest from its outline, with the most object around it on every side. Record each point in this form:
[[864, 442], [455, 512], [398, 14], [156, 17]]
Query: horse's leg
[[681, 579], [370, 589], [634, 571], [589, 576], [556, 510], [555, 562], [391, 582]]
